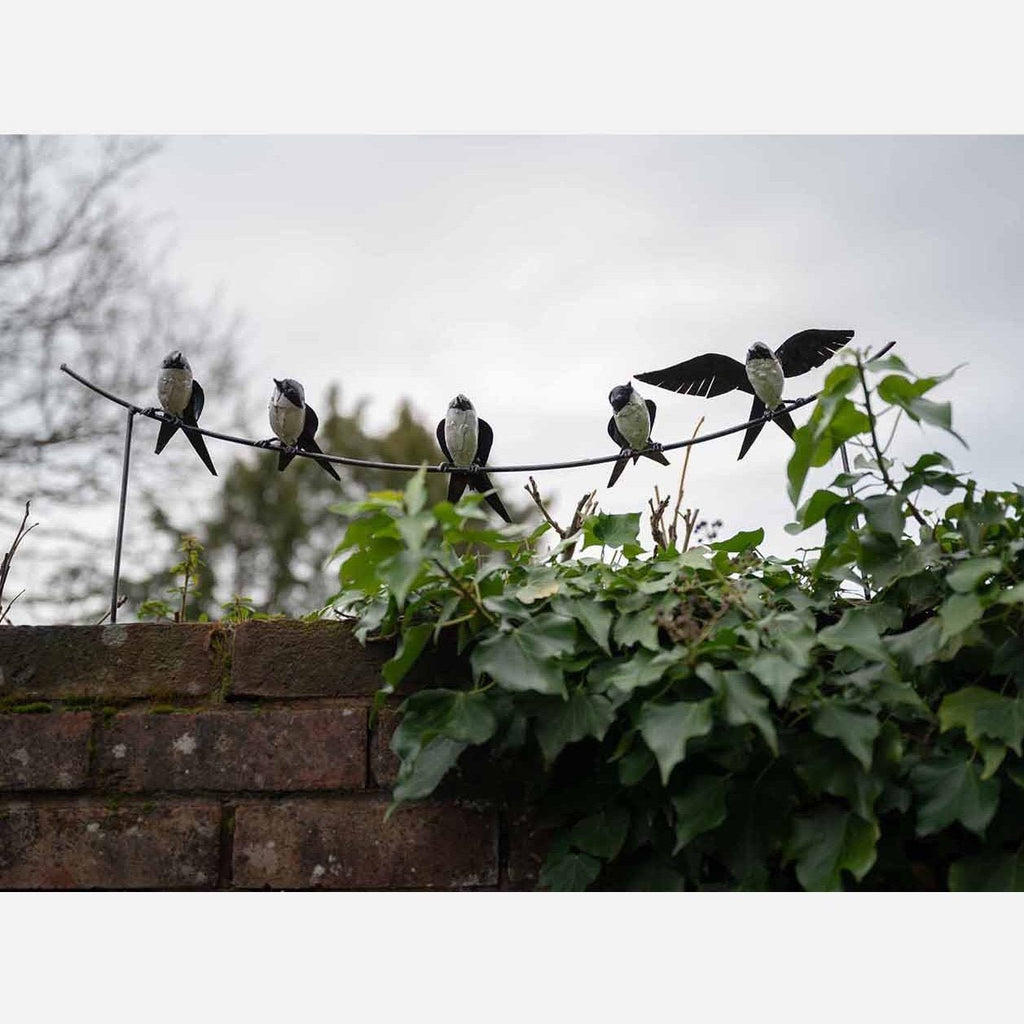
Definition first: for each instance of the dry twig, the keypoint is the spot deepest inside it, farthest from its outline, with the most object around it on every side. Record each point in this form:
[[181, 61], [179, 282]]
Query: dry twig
[[664, 536], [5, 564], [585, 507]]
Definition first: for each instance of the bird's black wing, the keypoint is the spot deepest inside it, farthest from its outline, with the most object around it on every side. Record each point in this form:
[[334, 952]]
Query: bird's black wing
[[196, 401], [456, 485], [191, 417], [613, 433], [481, 483], [756, 413], [652, 411], [441, 442], [167, 431], [657, 457], [785, 421], [307, 442], [484, 440], [808, 349], [617, 469], [705, 376]]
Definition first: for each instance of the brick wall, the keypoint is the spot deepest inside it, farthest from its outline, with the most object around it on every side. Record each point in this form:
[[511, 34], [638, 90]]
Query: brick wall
[[204, 757]]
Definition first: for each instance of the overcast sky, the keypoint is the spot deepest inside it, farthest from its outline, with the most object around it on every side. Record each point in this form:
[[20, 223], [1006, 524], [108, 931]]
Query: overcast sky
[[535, 273]]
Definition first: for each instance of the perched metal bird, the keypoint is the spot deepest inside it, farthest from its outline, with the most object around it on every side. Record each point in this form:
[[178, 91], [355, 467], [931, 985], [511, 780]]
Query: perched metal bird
[[762, 375], [466, 440], [294, 423], [181, 396], [630, 428]]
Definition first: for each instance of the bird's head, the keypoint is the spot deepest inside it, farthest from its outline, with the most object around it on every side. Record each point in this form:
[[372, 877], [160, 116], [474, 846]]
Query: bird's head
[[619, 396], [292, 390], [175, 361], [759, 350], [460, 402]]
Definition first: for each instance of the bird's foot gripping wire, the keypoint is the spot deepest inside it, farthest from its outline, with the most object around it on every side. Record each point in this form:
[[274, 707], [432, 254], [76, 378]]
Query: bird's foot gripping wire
[[270, 442], [767, 414], [653, 446], [158, 414]]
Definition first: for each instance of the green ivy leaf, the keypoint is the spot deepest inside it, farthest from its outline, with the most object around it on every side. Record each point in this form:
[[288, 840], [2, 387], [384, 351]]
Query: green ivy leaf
[[700, 808], [967, 575], [581, 715], [988, 872], [416, 491], [884, 514], [980, 712], [829, 842], [832, 422], [594, 616], [410, 646], [611, 531], [742, 541], [460, 715], [856, 630], [414, 528], [419, 778], [602, 834], [742, 702], [634, 765], [637, 628], [856, 729], [917, 646], [569, 872], [814, 510], [542, 585], [951, 789], [959, 612], [906, 394], [667, 728], [1013, 595], [642, 669], [827, 768], [399, 572], [526, 657], [775, 672]]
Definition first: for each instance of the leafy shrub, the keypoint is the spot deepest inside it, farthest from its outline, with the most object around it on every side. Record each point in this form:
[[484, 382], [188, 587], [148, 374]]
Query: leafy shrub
[[717, 718]]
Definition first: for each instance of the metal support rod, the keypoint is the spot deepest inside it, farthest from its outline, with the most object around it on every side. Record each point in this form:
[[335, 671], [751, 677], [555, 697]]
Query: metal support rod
[[120, 512]]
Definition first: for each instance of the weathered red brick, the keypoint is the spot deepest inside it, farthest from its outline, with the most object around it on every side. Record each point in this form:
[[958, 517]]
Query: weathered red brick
[[235, 749], [384, 764], [304, 659], [90, 846], [344, 843], [139, 660], [44, 751]]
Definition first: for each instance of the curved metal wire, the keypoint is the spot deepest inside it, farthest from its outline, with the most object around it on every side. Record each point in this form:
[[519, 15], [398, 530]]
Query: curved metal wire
[[402, 467]]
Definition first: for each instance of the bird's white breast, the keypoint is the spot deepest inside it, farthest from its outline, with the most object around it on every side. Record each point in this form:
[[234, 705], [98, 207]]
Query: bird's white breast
[[174, 389], [634, 422], [286, 419], [767, 380], [461, 435]]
